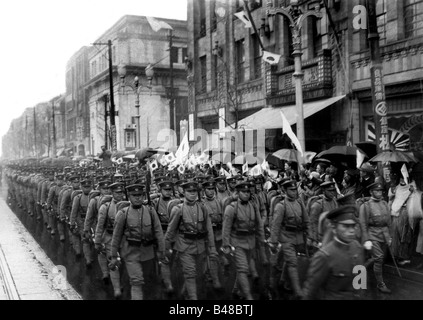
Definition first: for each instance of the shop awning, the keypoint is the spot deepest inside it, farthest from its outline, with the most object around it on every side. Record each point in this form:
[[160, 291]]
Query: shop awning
[[270, 118]]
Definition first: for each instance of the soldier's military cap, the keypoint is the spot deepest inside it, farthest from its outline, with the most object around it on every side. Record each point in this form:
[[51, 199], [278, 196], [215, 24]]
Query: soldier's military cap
[[220, 180], [190, 186], [173, 175], [135, 188], [181, 182], [74, 178], [86, 183], [200, 178], [243, 186], [166, 184], [160, 179], [189, 175], [104, 184], [346, 199], [209, 184], [258, 179], [117, 176], [116, 187], [329, 185], [290, 184], [345, 214], [60, 176], [283, 180], [231, 178], [375, 186], [351, 172], [367, 167]]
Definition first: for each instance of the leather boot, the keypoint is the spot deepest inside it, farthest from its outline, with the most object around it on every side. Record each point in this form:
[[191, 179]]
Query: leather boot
[[191, 288], [136, 292], [244, 285], [295, 282], [165, 271], [214, 273], [115, 278]]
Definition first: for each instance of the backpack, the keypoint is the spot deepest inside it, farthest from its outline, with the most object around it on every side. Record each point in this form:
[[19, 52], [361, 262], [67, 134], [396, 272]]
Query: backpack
[[311, 201], [74, 194]]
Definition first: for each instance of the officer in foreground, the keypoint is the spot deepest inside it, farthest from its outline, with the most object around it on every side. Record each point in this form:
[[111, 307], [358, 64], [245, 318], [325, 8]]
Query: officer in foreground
[[330, 275]]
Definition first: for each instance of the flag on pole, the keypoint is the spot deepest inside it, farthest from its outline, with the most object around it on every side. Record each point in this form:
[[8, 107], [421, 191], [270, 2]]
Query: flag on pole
[[153, 165], [245, 167], [119, 161], [243, 17], [156, 25], [183, 149], [256, 170], [404, 172], [170, 157], [360, 158], [265, 166], [163, 161], [225, 173], [271, 58], [181, 169], [286, 128]]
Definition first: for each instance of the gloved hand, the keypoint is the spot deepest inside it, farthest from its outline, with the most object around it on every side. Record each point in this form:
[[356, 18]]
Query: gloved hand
[[98, 247], [226, 249], [168, 253], [114, 264], [273, 248], [368, 245]]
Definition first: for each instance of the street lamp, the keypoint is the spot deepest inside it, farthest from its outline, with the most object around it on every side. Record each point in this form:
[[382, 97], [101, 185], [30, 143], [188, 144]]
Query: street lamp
[[136, 88], [296, 18]]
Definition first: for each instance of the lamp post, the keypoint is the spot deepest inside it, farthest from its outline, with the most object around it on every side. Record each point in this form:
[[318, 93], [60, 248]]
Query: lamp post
[[136, 88], [296, 18]]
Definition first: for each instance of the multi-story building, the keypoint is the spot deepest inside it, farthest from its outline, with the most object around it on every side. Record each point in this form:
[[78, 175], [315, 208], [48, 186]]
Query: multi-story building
[[229, 81], [135, 45], [77, 113]]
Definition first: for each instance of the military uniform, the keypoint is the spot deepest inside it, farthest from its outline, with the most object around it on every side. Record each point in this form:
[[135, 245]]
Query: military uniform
[[191, 231], [289, 227], [136, 233], [242, 228], [66, 199], [330, 275], [104, 232], [52, 202], [375, 221]]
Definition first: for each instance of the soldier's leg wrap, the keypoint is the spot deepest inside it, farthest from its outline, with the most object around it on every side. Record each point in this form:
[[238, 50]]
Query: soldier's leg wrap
[[104, 264], [132, 258], [276, 266], [188, 262], [76, 241], [290, 256], [136, 292], [214, 272], [378, 256], [242, 258], [86, 247], [115, 278], [165, 272], [61, 230]]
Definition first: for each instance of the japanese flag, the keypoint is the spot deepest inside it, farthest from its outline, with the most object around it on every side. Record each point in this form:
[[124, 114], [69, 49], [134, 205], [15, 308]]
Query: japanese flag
[[156, 25], [181, 169], [256, 170], [271, 58], [404, 172], [244, 18], [170, 157], [360, 158], [245, 167], [119, 161], [153, 165]]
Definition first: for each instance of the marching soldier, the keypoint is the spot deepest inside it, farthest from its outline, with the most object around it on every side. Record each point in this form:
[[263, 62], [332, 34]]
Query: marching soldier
[[161, 206], [136, 233], [330, 275], [222, 189], [66, 199], [242, 229], [214, 209], [289, 227], [375, 221], [52, 201], [49, 182], [191, 230], [104, 232], [76, 221], [324, 203]]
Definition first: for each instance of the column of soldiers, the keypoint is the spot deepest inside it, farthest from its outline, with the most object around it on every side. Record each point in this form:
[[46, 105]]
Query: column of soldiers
[[208, 224]]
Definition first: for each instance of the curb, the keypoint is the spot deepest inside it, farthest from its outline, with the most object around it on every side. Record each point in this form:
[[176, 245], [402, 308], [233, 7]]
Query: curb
[[6, 278], [407, 274]]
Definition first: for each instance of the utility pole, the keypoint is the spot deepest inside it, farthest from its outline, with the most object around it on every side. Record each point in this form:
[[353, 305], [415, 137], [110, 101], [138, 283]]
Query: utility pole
[[380, 108], [35, 136], [105, 121], [171, 101], [54, 131], [113, 139]]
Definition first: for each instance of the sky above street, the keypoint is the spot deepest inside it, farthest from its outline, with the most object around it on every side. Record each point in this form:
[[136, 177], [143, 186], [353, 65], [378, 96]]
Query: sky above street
[[39, 36]]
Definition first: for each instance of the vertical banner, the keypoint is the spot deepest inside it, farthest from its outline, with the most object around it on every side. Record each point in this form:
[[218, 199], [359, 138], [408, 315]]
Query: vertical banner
[[191, 126], [380, 108], [222, 123], [113, 137]]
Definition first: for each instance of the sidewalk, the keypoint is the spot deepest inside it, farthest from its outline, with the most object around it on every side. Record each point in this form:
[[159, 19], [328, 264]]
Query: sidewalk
[[26, 273]]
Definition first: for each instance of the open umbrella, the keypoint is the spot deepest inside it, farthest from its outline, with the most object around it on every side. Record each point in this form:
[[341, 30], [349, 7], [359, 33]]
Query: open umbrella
[[275, 161], [142, 154], [246, 157], [290, 155], [222, 156], [118, 154], [394, 156], [340, 154]]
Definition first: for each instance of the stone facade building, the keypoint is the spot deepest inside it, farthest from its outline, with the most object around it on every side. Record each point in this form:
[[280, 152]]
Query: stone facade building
[[135, 45]]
